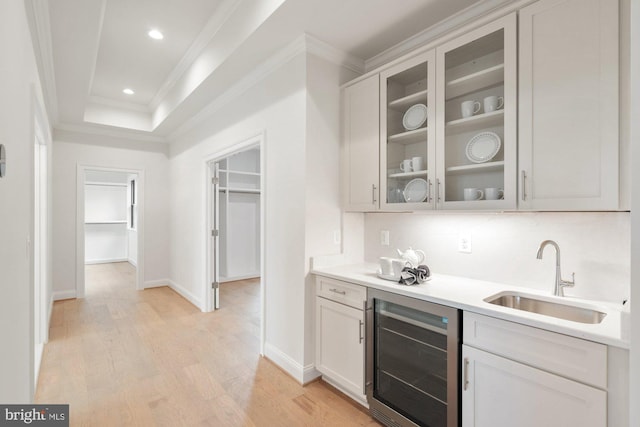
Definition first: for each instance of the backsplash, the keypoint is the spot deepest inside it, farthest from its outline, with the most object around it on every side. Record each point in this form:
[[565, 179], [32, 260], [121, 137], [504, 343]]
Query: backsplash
[[594, 245]]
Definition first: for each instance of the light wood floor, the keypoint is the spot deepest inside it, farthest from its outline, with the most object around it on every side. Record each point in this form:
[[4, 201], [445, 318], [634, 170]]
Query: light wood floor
[[149, 358]]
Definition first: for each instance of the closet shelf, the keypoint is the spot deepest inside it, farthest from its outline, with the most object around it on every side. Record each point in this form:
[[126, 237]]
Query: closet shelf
[[106, 222], [106, 184], [239, 190], [240, 172]]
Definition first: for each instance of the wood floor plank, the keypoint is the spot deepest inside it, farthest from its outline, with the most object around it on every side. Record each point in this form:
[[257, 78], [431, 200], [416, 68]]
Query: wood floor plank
[[121, 357]]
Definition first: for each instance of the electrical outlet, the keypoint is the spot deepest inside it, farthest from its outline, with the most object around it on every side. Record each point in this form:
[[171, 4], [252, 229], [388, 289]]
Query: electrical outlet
[[384, 237], [336, 237], [464, 242]]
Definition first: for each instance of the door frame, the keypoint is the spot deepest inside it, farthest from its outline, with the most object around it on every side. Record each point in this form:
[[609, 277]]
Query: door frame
[[80, 237], [41, 305], [255, 140]]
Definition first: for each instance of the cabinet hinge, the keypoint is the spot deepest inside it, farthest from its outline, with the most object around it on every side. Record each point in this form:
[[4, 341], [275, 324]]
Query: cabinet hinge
[[215, 285], [215, 180], [215, 233]]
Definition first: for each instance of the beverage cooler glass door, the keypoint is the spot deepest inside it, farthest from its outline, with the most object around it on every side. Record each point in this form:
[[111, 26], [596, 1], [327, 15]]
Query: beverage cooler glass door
[[412, 362]]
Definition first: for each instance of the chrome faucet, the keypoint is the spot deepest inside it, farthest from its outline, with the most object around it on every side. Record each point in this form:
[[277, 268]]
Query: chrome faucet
[[560, 284]]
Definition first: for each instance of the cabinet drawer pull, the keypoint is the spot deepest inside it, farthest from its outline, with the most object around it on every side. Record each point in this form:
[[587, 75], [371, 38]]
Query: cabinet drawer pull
[[466, 373], [523, 190], [361, 332], [338, 292]]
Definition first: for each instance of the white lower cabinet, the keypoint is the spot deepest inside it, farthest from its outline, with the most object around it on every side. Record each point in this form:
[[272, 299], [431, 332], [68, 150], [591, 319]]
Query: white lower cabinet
[[498, 392], [516, 375], [340, 335]]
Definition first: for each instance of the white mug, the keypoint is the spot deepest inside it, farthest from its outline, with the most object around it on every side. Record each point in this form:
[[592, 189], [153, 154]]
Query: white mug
[[493, 103], [473, 194], [386, 265], [493, 193], [416, 163], [405, 166], [469, 108], [398, 265]]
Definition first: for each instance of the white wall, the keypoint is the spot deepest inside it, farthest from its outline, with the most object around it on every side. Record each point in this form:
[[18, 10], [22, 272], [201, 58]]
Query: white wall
[[276, 106], [594, 245], [19, 81], [69, 150], [301, 154]]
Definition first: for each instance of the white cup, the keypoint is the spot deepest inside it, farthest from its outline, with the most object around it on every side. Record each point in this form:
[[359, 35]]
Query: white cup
[[386, 265], [398, 265], [416, 164], [405, 166], [469, 108], [493, 103], [473, 194], [493, 193]]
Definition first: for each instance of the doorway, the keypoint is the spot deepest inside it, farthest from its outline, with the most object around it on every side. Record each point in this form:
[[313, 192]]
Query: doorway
[[109, 227], [235, 255]]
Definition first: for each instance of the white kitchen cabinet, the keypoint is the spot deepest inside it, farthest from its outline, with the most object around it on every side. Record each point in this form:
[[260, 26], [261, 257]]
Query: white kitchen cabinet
[[518, 375], [479, 64], [360, 145], [568, 106], [340, 335], [498, 392], [407, 133], [477, 151]]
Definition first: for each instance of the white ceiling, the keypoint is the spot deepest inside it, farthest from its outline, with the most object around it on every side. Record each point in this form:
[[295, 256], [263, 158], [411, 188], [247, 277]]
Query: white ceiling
[[99, 47]]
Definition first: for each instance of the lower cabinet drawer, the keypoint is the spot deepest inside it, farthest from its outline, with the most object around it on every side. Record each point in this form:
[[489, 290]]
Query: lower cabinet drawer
[[570, 357], [342, 292]]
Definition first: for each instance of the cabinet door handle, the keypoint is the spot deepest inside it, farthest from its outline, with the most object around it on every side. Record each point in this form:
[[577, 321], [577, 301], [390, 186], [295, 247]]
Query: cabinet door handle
[[429, 196], [466, 373], [523, 189], [338, 292], [438, 189], [361, 332], [373, 193]]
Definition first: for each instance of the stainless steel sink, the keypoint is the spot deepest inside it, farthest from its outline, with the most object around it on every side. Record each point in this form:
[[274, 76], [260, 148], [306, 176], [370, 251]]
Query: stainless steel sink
[[534, 304]]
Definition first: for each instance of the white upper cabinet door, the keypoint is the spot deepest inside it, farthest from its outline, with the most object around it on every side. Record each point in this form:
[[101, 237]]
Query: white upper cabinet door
[[568, 121], [476, 118], [361, 158], [407, 134]]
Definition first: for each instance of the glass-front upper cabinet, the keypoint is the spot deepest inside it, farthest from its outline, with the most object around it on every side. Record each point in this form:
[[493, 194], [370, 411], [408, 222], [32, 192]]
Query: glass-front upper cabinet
[[407, 134], [476, 119]]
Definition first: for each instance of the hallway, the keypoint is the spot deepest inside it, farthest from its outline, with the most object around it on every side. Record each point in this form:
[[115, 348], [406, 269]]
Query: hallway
[[124, 357]]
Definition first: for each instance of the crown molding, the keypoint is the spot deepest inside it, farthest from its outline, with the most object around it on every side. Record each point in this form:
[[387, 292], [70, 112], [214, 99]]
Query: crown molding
[[211, 28], [303, 44], [331, 54], [40, 25], [123, 105], [118, 133], [451, 23]]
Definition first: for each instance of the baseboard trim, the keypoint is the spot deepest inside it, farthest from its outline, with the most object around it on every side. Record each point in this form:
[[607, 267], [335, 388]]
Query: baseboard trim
[[285, 362], [157, 283], [309, 374], [243, 277], [132, 262], [60, 295], [185, 293], [105, 261]]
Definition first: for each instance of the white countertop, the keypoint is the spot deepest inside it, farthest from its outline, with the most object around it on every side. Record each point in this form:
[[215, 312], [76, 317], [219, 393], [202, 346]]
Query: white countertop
[[468, 294]]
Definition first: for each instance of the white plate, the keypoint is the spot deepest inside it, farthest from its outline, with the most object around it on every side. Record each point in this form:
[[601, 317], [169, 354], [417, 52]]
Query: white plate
[[483, 147], [416, 191], [415, 117]]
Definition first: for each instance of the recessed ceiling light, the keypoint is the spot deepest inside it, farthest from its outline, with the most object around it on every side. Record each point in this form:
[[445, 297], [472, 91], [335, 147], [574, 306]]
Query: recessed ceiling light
[[128, 91], [155, 34]]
